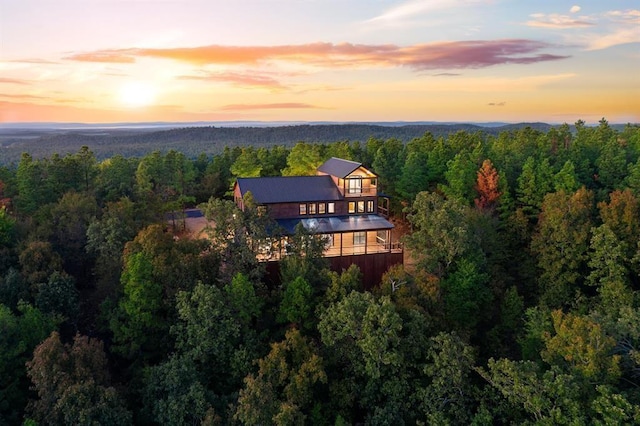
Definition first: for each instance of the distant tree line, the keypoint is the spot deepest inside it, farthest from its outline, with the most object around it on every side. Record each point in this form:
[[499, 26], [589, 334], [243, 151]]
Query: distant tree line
[[521, 304], [192, 141]]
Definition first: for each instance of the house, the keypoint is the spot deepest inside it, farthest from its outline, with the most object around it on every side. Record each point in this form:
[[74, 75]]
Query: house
[[341, 202]]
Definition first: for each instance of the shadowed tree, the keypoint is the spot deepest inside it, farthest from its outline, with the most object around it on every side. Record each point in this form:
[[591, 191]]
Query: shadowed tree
[[286, 385], [73, 384]]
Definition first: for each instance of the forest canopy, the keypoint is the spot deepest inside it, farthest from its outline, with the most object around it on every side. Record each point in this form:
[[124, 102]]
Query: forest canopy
[[520, 302]]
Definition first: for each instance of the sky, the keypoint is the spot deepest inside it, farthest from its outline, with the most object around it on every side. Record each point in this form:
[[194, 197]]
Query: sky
[[98, 61]]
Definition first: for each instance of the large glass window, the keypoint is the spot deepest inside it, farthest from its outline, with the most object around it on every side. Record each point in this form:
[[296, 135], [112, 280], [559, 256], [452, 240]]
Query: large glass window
[[303, 209], [331, 208], [360, 206], [355, 185], [321, 208], [370, 206], [352, 206], [312, 208], [359, 238]]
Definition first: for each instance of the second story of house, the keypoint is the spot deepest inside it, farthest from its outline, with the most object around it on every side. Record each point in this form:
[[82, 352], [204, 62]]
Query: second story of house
[[340, 188]]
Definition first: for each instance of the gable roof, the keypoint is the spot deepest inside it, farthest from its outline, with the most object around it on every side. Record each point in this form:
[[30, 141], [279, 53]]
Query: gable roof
[[339, 167], [289, 189]]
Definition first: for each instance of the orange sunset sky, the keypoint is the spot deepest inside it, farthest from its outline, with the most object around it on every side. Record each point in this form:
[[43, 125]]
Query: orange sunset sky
[[102, 61]]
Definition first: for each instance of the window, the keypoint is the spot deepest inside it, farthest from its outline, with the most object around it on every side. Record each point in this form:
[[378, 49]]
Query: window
[[381, 236], [352, 207], [360, 206], [321, 208], [303, 209], [359, 238], [331, 208], [312, 208], [355, 185], [329, 239], [370, 206]]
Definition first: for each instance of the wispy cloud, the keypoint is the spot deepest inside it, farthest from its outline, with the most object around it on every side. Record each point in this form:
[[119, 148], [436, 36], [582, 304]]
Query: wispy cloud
[[412, 8], [284, 105], [14, 81], [239, 79], [615, 38], [22, 96], [558, 21], [453, 55], [623, 28], [608, 29], [446, 74], [497, 104], [35, 61]]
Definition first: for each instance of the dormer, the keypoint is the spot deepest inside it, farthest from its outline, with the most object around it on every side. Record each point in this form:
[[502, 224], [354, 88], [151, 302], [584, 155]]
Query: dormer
[[351, 178]]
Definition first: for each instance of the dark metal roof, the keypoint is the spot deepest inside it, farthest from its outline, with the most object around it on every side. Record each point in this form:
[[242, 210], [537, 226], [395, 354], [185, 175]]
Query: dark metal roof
[[338, 167], [290, 189], [336, 224]]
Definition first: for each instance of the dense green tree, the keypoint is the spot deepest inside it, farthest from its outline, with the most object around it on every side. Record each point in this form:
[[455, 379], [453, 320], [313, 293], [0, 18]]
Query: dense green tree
[[561, 244], [566, 179], [535, 181], [388, 162], [21, 332], [466, 295], [70, 218], [606, 259], [296, 306], [303, 160], [580, 346], [59, 296], [32, 187], [440, 232], [611, 165], [460, 178], [138, 322], [73, 384], [365, 331], [247, 164], [235, 235], [116, 178], [448, 394], [286, 385], [174, 395], [38, 261], [244, 299]]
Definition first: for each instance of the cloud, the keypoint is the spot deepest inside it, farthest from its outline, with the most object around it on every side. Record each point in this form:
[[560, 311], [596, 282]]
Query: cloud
[[13, 81], [631, 16], [617, 37], [624, 29], [575, 9], [21, 96], [284, 105], [454, 54], [555, 20], [239, 79], [413, 8], [498, 104], [35, 61], [446, 74]]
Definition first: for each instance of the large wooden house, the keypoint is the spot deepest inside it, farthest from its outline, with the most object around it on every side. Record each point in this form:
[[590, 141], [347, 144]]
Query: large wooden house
[[341, 202]]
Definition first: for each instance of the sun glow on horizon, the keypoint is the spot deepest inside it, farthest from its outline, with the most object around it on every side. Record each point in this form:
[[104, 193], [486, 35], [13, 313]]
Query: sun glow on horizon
[[137, 94]]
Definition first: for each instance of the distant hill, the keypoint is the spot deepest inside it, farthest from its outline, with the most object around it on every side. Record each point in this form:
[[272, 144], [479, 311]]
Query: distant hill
[[138, 140]]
